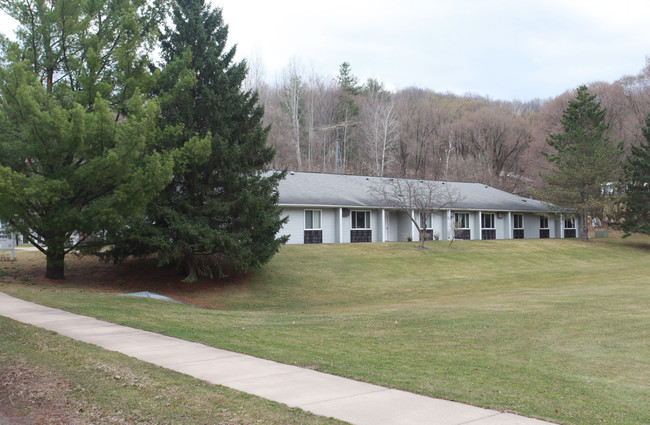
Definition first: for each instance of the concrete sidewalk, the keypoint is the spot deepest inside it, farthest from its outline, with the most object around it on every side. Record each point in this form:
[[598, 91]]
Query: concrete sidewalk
[[328, 395]]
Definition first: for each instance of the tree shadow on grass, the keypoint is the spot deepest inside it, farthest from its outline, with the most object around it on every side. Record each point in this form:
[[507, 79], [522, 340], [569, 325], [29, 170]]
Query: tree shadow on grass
[[134, 275]]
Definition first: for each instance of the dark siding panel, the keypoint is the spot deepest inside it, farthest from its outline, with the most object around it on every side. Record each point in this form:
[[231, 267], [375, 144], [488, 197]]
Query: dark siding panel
[[313, 236], [488, 234], [360, 236]]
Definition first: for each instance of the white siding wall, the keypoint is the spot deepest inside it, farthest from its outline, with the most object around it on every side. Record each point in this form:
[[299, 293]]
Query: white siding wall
[[447, 222], [376, 225], [401, 227], [558, 226], [531, 226], [294, 228], [438, 223], [347, 224], [475, 225], [404, 227], [337, 225], [552, 227], [328, 224]]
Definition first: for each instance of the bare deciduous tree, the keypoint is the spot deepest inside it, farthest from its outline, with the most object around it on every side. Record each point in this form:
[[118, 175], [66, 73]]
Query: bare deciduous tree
[[379, 128], [419, 199], [291, 101], [496, 140]]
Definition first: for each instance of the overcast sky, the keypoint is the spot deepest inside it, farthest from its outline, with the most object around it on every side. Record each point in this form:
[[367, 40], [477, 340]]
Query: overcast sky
[[504, 49], [507, 49]]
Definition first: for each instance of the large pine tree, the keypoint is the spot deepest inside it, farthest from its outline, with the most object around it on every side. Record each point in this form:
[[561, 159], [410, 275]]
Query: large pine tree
[[222, 210], [73, 122], [584, 160], [635, 212]]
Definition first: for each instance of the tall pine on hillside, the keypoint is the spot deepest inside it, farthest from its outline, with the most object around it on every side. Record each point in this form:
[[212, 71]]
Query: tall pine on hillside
[[221, 213], [635, 212], [584, 160]]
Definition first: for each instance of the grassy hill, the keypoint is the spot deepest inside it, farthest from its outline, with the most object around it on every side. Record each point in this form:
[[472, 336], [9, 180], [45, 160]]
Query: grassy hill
[[555, 329]]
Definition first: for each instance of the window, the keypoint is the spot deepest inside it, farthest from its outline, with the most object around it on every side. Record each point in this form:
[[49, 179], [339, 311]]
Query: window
[[361, 219], [517, 226], [570, 228], [487, 221], [488, 232], [544, 232], [425, 221], [543, 222], [462, 221], [312, 219], [461, 225]]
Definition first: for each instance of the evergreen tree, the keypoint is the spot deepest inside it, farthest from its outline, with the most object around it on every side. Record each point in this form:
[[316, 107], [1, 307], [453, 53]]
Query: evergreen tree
[[73, 124], [223, 210], [584, 161], [347, 81], [347, 111], [635, 212]]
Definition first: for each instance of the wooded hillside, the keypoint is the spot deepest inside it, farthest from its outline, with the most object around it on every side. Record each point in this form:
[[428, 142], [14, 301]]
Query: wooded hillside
[[341, 125]]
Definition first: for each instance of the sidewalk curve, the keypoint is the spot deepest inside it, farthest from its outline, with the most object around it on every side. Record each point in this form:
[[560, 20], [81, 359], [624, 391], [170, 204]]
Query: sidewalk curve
[[320, 393]]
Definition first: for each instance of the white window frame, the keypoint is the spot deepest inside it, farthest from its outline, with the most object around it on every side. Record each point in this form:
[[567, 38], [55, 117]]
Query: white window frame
[[367, 215], [483, 215], [320, 219], [514, 222], [543, 220], [570, 219], [426, 221], [456, 214]]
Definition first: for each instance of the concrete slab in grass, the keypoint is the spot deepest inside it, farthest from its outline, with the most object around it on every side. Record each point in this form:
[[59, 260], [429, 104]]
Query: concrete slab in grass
[[303, 386], [509, 419], [226, 371], [178, 354], [393, 407]]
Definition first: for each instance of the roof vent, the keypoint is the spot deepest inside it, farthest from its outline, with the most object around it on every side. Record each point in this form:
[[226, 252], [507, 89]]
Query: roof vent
[[523, 200], [486, 187], [291, 172]]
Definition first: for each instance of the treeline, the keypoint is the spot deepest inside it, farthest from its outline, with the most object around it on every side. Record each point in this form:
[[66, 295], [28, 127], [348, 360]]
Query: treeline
[[339, 125]]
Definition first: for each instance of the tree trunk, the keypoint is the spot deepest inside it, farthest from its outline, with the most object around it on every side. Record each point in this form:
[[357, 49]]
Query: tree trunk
[[585, 227], [54, 267], [423, 237]]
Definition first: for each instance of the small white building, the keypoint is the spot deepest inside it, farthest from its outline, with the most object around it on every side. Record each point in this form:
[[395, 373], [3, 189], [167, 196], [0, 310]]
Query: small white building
[[336, 208], [6, 240]]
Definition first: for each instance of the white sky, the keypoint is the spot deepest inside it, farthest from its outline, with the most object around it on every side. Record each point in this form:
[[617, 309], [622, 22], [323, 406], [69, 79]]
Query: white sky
[[504, 49]]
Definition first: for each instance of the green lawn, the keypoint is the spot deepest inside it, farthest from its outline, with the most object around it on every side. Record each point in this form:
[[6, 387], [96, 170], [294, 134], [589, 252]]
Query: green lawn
[[555, 329], [60, 381]]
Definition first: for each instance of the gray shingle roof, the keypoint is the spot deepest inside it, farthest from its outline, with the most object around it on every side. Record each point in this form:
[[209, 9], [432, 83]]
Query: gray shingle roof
[[338, 190]]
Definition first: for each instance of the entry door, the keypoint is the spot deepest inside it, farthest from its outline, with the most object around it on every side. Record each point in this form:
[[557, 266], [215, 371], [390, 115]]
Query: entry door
[[387, 226], [391, 226]]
